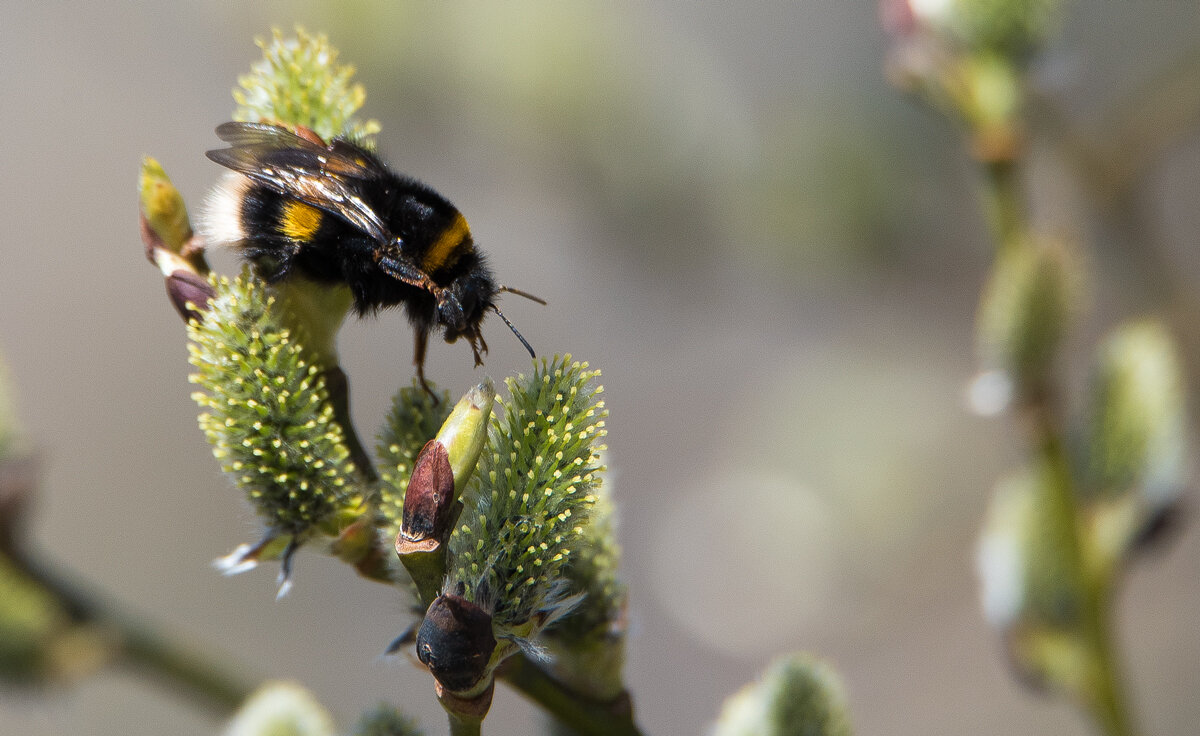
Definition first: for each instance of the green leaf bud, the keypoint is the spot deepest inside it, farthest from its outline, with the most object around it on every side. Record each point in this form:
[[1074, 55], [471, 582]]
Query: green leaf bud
[[465, 431], [267, 414], [1024, 313], [167, 235], [281, 709], [298, 82], [798, 695], [990, 98], [162, 210], [444, 466]]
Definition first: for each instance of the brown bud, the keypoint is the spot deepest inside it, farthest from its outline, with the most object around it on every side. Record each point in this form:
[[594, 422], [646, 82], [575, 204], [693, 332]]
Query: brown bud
[[186, 287], [455, 642], [18, 484], [429, 499]]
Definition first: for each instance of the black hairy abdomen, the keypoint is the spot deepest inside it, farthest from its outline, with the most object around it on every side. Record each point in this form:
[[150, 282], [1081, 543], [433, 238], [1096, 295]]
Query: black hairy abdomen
[[337, 253]]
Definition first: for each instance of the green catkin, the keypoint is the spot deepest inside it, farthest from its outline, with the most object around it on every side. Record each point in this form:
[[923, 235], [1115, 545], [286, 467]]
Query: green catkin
[[524, 516], [267, 439]]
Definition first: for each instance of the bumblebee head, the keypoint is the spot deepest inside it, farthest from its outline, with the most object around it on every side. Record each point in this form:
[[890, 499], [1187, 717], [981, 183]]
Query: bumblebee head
[[461, 309], [461, 306]]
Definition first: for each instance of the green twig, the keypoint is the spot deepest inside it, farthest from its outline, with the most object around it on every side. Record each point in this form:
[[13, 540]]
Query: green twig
[[464, 726], [1005, 201], [586, 717], [1108, 703], [139, 647], [1005, 207]]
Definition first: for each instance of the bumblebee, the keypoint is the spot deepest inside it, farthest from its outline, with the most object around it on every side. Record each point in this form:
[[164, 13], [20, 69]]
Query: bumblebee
[[336, 214]]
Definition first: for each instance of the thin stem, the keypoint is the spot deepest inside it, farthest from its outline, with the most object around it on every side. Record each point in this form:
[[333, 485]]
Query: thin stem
[[464, 726], [586, 717], [1005, 207], [338, 386], [140, 647]]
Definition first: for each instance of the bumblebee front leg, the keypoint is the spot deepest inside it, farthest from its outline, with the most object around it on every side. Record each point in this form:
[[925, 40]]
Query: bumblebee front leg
[[401, 268]]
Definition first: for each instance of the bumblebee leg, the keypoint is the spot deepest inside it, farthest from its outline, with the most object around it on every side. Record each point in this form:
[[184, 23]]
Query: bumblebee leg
[[402, 269], [420, 340], [478, 347]]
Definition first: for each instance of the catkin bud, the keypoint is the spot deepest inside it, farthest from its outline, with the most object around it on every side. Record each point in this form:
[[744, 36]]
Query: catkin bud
[[167, 235], [1024, 312], [281, 708], [524, 520], [444, 465], [455, 642], [797, 696], [431, 499], [1030, 590], [1137, 440]]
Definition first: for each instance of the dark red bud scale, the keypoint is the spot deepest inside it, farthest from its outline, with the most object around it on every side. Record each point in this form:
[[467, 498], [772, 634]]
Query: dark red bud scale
[[429, 498], [184, 288]]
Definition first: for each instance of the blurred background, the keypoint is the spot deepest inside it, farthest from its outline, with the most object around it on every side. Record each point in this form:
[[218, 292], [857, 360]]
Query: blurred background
[[773, 256]]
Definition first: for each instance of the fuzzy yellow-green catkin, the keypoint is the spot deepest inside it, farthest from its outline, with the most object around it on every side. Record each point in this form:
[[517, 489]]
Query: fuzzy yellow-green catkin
[[798, 695], [299, 82], [267, 414], [523, 520]]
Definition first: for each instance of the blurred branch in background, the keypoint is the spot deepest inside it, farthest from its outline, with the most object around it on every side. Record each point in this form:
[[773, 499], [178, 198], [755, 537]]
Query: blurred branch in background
[[1060, 531], [55, 631]]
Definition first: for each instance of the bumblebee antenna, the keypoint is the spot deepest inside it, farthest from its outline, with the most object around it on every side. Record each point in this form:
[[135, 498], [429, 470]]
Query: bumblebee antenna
[[513, 327], [525, 294]]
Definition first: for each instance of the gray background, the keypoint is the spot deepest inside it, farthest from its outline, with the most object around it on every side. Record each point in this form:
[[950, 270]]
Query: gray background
[[771, 254]]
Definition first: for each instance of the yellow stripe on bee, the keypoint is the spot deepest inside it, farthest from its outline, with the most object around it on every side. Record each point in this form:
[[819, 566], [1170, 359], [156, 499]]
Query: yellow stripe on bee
[[299, 221], [445, 249]]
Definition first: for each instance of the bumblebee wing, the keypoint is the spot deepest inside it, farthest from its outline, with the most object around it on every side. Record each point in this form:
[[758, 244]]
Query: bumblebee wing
[[301, 169], [240, 134], [340, 157]]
